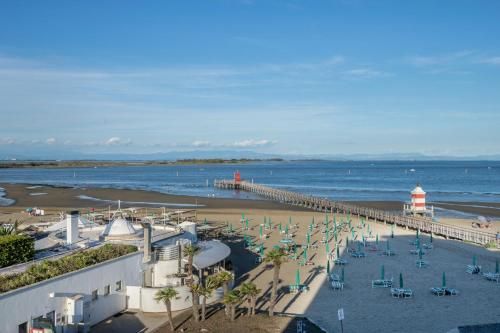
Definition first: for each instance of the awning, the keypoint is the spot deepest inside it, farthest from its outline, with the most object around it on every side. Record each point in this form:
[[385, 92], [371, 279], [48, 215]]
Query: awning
[[211, 253]]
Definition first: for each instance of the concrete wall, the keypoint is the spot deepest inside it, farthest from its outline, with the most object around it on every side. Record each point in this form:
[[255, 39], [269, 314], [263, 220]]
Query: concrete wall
[[20, 305], [148, 303]]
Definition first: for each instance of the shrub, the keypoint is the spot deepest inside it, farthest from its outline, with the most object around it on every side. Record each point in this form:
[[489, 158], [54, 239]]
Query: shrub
[[16, 249], [491, 245], [48, 269]]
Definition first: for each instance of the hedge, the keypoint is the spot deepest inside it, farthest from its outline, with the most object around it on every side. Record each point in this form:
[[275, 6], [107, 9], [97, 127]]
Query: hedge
[[16, 249], [51, 268]]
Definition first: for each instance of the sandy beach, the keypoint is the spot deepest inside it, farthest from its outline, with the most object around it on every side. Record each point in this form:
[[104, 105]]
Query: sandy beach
[[367, 309]]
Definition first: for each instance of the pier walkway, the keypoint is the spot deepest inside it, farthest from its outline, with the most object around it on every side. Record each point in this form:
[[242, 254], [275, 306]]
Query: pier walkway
[[423, 224]]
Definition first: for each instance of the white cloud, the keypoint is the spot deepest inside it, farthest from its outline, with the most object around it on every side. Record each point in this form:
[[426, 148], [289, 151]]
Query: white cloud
[[251, 143], [115, 141], [365, 73], [442, 59], [201, 143], [50, 141], [490, 61]]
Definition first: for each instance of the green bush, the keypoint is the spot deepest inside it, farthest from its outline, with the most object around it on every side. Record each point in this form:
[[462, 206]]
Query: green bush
[[16, 249], [491, 245], [48, 269]]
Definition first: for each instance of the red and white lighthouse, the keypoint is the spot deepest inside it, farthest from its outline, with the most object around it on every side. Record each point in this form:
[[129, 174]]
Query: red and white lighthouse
[[418, 199], [417, 204]]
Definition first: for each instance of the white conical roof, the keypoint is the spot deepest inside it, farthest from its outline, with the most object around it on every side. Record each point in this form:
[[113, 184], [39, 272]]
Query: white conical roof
[[119, 227], [418, 190]]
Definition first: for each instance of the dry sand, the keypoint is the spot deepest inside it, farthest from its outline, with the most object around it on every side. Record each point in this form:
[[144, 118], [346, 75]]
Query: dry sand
[[367, 309]]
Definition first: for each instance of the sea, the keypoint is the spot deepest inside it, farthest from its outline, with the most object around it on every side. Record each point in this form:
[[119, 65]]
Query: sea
[[455, 181]]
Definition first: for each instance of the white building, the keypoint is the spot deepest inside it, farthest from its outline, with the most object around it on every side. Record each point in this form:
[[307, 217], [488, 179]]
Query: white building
[[78, 300]]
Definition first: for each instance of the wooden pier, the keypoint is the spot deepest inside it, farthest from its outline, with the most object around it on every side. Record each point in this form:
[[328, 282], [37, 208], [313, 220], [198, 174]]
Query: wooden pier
[[320, 204]]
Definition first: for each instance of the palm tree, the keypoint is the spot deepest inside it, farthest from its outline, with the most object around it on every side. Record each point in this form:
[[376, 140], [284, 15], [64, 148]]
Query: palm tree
[[211, 283], [166, 295], [250, 291], [224, 277], [276, 257], [190, 251], [196, 291], [231, 300]]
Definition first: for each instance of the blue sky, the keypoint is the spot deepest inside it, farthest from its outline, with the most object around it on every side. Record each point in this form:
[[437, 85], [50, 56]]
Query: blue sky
[[297, 77]]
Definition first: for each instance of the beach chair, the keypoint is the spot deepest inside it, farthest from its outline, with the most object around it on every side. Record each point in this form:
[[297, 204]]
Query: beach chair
[[416, 251], [340, 261], [382, 283], [473, 269], [422, 263], [397, 292], [438, 291], [492, 276], [450, 291], [337, 285], [334, 277], [388, 253], [428, 246], [293, 288], [358, 255]]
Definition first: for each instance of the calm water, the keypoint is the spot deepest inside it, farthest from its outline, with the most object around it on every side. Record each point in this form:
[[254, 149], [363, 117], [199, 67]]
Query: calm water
[[388, 180]]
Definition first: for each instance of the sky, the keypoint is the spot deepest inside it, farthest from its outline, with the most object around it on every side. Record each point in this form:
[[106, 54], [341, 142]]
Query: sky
[[286, 77]]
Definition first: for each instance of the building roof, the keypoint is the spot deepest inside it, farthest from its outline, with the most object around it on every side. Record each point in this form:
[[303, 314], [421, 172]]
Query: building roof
[[82, 223], [119, 227], [211, 253]]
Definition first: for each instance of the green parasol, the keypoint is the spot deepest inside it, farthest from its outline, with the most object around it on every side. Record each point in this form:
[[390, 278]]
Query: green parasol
[[347, 241], [392, 230], [261, 250], [205, 221], [327, 248], [297, 277], [342, 275], [401, 285], [382, 272], [260, 231], [443, 280], [496, 266], [338, 253], [420, 253], [431, 237], [246, 223], [308, 237], [417, 236], [376, 239], [286, 229], [328, 267], [305, 254]]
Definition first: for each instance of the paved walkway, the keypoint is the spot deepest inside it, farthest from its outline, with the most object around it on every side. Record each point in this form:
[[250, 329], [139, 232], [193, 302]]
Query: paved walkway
[[130, 322]]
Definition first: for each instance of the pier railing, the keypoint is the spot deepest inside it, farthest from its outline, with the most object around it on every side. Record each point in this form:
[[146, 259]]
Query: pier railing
[[423, 224]]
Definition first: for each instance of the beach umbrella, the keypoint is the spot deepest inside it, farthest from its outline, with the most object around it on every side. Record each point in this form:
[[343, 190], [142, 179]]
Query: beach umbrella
[[431, 237], [260, 231], [231, 227], [305, 254], [308, 236], [342, 275], [242, 216], [376, 239], [338, 252], [347, 241], [261, 250], [205, 221], [279, 227], [312, 220], [297, 277], [328, 267], [382, 272], [420, 254], [474, 260], [443, 280], [388, 245], [392, 231], [290, 220], [246, 223], [417, 236], [327, 248], [496, 266], [401, 280], [286, 229], [359, 246]]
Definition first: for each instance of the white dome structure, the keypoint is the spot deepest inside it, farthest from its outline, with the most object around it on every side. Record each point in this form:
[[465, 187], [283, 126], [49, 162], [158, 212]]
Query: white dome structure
[[120, 229]]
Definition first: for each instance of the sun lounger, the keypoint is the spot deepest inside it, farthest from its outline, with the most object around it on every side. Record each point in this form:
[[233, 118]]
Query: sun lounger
[[337, 285], [428, 246], [416, 251], [401, 292], [334, 277], [382, 283], [340, 261], [258, 260], [492, 276], [444, 291], [422, 263], [438, 291], [389, 253], [473, 269], [295, 288], [358, 254]]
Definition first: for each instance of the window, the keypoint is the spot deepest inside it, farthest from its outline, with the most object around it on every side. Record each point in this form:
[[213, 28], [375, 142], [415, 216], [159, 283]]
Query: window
[[106, 290], [118, 286], [94, 295]]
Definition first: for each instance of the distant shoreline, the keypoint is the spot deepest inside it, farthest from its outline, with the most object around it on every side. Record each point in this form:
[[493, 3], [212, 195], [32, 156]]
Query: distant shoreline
[[103, 164], [78, 197]]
